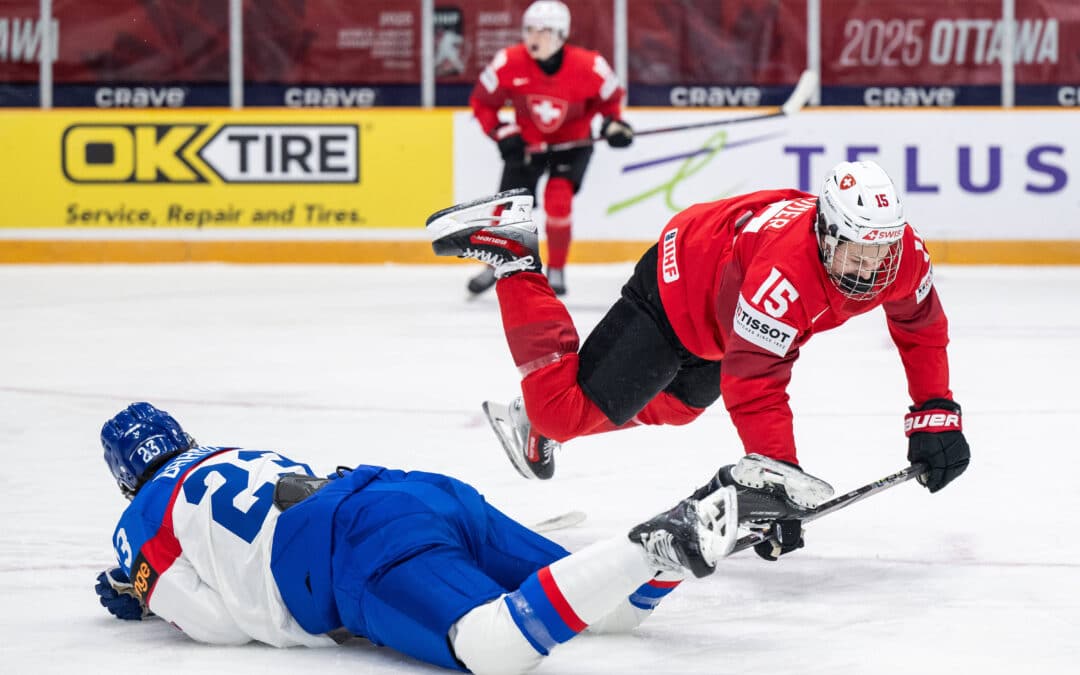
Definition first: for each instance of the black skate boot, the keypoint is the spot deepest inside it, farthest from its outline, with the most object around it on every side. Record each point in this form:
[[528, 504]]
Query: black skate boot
[[496, 230], [693, 535], [531, 454], [557, 280]]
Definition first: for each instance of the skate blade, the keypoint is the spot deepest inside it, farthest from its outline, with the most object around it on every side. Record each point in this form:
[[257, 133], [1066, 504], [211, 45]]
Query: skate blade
[[478, 214], [757, 471], [499, 417]]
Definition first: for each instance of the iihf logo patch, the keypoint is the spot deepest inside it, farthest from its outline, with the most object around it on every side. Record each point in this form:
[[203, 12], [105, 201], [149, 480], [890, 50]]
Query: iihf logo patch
[[847, 181]]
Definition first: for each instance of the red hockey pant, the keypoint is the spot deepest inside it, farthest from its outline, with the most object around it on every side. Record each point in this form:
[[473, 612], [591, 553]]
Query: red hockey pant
[[544, 345]]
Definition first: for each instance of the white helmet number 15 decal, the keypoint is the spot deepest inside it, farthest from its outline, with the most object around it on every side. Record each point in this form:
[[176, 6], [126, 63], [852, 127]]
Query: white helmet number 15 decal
[[775, 295]]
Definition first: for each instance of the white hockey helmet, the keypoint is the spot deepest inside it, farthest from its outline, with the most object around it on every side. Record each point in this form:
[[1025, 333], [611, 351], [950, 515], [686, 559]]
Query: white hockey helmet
[[548, 14], [860, 228]]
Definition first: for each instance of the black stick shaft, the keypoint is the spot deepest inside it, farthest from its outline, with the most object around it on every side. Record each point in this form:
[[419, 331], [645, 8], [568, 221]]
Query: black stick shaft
[[569, 145], [843, 501]]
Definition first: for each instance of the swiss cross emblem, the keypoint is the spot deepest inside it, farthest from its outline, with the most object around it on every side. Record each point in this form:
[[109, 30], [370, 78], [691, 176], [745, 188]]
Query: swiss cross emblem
[[547, 112], [847, 182]]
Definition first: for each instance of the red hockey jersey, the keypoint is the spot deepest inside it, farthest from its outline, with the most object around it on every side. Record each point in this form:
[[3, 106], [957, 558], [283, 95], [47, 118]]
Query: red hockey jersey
[[741, 280], [548, 108]]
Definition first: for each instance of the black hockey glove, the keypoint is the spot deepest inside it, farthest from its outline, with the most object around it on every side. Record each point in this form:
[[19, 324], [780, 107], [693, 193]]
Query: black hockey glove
[[936, 438], [618, 133], [117, 595], [785, 536], [511, 144]]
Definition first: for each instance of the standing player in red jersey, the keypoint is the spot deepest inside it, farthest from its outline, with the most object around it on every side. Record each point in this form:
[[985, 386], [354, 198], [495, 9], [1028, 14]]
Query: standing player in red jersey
[[723, 303], [556, 90]]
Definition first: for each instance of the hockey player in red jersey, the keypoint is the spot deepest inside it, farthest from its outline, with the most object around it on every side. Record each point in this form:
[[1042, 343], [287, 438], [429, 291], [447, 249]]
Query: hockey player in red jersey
[[723, 303], [556, 90]]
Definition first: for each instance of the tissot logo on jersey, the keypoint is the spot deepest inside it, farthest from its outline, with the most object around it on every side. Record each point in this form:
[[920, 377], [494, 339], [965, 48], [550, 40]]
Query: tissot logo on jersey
[[669, 265], [762, 330], [547, 112], [190, 153]]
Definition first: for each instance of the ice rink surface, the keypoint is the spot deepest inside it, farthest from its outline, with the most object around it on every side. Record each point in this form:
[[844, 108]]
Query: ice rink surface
[[388, 365]]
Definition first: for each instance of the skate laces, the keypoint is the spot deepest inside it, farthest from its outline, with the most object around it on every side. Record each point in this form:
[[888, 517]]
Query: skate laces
[[511, 266], [660, 545], [545, 448], [492, 258], [502, 266]]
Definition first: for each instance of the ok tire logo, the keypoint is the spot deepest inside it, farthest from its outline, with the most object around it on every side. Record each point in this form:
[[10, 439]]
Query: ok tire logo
[[233, 153]]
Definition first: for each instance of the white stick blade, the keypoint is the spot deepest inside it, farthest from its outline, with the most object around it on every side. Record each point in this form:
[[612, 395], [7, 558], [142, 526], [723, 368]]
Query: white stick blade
[[804, 91], [560, 522]]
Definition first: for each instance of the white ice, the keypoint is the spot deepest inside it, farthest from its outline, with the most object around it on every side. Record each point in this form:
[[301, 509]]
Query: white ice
[[388, 365]]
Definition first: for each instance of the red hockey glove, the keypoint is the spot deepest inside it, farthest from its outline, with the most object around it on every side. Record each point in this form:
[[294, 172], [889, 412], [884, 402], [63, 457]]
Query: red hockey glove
[[936, 438], [618, 133]]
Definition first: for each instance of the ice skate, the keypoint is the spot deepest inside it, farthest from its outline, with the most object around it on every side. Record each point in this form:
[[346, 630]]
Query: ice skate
[[482, 281], [771, 490], [496, 230], [531, 454], [557, 280], [693, 535]]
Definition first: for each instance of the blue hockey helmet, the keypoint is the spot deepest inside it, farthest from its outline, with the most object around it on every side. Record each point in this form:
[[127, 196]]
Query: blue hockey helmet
[[138, 440]]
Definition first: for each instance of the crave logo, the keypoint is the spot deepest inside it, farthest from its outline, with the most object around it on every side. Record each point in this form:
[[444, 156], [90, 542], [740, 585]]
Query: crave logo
[[195, 153]]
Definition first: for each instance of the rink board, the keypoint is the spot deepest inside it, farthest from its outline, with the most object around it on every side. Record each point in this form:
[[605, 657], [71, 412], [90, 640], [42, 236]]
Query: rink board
[[982, 186]]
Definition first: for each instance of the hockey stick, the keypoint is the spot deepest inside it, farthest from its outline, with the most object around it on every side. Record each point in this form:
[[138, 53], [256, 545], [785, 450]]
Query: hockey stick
[[857, 495], [804, 91], [559, 522]]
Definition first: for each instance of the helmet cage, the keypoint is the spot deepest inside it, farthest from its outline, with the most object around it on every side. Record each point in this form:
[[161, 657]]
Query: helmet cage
[[862, 272], [860, 228]]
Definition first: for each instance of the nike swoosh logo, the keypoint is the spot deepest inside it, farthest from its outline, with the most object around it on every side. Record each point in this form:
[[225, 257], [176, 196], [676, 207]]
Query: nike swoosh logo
[[819, 315], [518, 81]]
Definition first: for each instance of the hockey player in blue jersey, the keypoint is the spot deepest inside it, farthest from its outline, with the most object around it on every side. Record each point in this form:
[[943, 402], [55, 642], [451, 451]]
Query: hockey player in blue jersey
[[233, 545]]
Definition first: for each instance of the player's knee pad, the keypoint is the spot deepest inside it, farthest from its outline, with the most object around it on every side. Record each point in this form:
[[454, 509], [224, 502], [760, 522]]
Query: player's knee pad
[[626, 361], [558, 201], [487, 640]]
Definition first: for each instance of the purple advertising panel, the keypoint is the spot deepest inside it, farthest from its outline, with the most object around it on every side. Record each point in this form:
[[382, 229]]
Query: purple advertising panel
[[741, 53]]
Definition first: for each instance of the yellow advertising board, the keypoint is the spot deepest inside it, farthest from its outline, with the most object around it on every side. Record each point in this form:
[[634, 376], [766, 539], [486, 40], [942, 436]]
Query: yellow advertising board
[[212, 169]]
